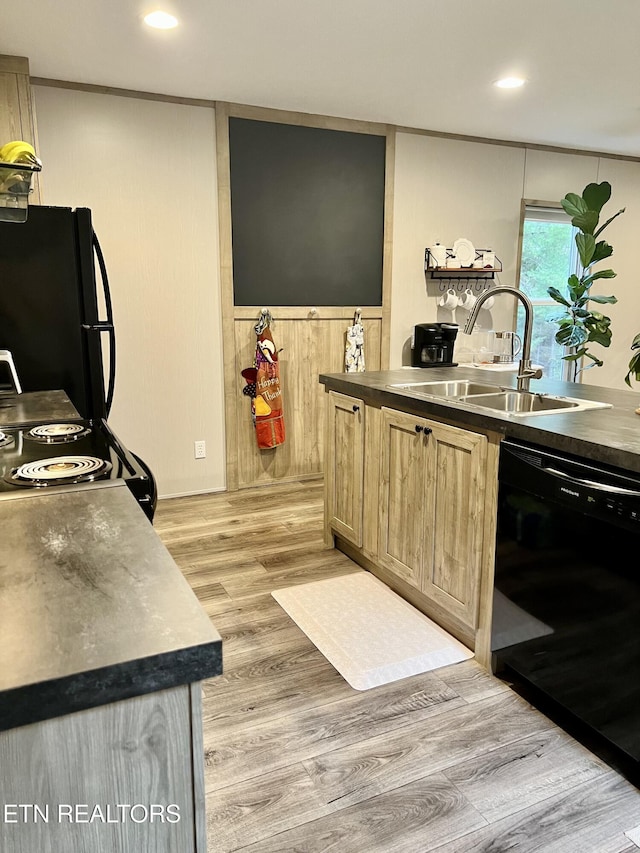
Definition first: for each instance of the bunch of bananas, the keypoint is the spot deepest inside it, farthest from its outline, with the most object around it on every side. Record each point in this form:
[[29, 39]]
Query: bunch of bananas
[[19, 153]]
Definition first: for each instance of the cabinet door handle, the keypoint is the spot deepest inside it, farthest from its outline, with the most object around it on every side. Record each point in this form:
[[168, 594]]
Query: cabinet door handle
[[419, 428], [356, 408], [427, 430]]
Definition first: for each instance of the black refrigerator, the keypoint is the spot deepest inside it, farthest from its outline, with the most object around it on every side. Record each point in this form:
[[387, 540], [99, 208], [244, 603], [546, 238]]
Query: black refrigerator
[[53, 285]]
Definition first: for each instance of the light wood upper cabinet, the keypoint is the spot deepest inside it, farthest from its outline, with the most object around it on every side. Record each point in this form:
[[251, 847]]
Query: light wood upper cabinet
[[345, 466], [431, 505], [17, 118]]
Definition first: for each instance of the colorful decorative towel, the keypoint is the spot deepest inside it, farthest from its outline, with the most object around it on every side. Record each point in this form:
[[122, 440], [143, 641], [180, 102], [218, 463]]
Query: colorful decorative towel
[[266, 405]]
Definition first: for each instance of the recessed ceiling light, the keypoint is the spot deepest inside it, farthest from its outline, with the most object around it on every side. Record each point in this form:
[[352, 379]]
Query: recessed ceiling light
[[161, 20], [509, 83]]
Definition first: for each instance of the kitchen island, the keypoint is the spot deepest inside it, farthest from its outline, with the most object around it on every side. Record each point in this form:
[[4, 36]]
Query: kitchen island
[[103, 648], [412, 481]]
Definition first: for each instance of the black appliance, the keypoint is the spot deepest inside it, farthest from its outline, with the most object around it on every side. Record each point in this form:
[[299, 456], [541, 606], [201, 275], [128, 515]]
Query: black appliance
[[432, 344], [49, 321], [566, 625], [67, 453]]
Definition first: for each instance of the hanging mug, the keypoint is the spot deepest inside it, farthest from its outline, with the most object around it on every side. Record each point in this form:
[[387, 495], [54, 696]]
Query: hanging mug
[[468, 300], [449, 301]]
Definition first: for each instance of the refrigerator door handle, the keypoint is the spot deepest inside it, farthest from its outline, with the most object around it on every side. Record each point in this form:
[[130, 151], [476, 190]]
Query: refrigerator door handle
[[100, 326], [107, 325]]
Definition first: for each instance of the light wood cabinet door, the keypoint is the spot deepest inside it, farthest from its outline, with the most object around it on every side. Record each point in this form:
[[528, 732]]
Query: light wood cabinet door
[[403, 472], [432, 491], [345, 466], [453, 532]]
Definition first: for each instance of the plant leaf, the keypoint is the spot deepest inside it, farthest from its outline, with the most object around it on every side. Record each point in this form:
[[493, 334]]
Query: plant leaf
[[554, 293], [602, 300], [602, 227], [597, 195], [634, 367], [603, 250], [602, 338], [635, 344], [588, 280], [571, 336], [574, 204], [586, 248], [586, 221], [574, 356], [576, 288]]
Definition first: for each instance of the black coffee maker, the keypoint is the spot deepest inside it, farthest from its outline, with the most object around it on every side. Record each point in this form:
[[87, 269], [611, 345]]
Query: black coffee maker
[[433, 345]]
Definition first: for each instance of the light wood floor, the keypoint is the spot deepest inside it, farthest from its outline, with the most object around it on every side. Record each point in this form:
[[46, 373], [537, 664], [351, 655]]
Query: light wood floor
[[451, 761]]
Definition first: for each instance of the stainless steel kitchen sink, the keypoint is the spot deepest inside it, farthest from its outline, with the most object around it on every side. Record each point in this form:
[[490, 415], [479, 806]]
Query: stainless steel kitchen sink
[[454, 388], [528, 403], [497, 397]]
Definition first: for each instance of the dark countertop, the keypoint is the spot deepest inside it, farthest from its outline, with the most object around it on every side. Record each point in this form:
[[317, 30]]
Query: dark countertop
[[610, 436], [35, 407], [93, 609]]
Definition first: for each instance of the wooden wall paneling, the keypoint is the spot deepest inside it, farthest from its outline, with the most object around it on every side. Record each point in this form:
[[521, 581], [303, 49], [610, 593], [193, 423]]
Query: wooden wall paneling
[[306, 119], [387, 256], [226, 295], [316, 347], [309, 347]]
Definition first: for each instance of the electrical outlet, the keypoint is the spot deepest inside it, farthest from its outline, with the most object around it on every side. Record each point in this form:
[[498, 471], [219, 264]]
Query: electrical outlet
[[199, 449]]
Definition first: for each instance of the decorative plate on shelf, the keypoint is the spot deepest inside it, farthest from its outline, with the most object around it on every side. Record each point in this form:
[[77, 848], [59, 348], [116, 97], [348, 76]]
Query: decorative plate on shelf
[[464, 252]]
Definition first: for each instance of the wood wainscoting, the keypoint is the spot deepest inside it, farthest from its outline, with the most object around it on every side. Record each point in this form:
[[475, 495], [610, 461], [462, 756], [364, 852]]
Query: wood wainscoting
[[311, 343]]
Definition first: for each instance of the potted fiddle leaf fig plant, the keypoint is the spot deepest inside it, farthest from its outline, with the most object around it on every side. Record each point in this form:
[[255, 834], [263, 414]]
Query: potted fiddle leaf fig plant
[[579, 326]]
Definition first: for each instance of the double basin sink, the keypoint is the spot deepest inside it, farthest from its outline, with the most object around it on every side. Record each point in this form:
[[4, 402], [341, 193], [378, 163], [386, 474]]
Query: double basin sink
[[498, 398]]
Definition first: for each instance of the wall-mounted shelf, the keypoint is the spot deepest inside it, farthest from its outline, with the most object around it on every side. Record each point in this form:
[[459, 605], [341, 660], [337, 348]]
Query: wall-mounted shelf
[[15, 188], [471, 272]]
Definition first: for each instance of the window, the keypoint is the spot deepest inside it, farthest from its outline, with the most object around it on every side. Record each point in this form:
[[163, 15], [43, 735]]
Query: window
[[548, 258]]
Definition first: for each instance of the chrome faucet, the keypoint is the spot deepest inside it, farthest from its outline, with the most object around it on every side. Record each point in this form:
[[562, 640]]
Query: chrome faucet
[[525, 371]]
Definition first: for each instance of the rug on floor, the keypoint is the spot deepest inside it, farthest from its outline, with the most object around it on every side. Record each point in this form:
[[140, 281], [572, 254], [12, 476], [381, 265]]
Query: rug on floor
[[366, 631]]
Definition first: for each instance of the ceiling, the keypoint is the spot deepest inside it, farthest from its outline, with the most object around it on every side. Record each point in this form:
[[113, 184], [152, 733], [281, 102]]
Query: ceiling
[[418, 63]]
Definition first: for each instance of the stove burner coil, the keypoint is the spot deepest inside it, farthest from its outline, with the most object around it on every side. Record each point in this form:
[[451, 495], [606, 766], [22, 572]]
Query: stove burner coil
[[5, 439], [57, 433], [59, 470]]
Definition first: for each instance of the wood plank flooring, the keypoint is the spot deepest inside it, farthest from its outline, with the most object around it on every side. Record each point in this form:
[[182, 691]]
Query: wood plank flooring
[[451, 761]]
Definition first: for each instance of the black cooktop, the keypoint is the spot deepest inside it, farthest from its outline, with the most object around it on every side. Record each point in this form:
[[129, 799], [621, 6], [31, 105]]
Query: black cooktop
[[44, 457]]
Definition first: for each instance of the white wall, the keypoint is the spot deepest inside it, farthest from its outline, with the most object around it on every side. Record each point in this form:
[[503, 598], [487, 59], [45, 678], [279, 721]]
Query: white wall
[[623, 235], [445, 189], [147, 171]]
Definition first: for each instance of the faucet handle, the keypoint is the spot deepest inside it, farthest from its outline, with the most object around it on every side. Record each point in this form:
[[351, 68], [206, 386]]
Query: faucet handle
[[528, 372]]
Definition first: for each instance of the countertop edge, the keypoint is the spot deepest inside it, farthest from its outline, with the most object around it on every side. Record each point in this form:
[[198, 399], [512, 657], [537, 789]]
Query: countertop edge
[[39, 701]]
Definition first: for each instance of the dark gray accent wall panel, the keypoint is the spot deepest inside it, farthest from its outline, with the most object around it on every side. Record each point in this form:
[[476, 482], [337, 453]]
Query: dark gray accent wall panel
[[307, 210]]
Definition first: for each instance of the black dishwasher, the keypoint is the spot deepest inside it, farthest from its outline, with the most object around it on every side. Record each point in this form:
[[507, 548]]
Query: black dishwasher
[[566, 623]]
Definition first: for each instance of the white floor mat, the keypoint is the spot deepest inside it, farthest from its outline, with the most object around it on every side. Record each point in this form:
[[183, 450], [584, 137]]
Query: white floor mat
[[366, 631]]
